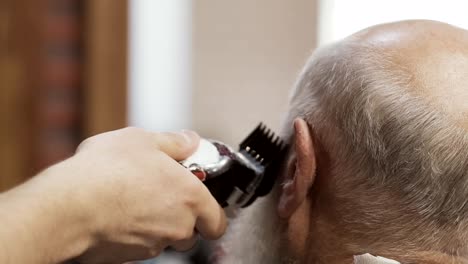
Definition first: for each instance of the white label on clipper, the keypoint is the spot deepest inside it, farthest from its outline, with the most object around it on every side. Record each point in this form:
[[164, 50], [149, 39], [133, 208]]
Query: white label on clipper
[[206, 153]]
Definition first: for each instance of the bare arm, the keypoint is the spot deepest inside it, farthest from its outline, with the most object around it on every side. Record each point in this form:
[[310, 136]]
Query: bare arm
[[35, 224], [122, 197]]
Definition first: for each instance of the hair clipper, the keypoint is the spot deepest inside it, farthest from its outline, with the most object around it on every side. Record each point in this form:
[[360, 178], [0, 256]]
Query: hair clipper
[[237, 178]]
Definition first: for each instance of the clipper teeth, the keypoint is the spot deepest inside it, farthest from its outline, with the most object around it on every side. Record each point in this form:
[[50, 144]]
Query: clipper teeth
[[263, 145]]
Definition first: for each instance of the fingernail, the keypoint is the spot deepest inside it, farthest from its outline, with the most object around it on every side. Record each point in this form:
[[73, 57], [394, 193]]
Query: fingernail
[[189, 135]]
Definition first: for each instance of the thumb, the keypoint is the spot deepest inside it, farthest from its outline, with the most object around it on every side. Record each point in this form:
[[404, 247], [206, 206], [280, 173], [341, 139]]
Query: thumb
[[177, 145]]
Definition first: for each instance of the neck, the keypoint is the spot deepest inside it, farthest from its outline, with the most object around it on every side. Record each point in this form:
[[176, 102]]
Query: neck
[[253, 236]]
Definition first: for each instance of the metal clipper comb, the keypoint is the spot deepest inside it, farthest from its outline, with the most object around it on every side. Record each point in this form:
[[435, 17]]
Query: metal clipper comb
[[237, 178]]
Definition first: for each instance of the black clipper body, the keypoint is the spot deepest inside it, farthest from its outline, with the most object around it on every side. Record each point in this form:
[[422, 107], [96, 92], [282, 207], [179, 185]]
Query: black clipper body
[[236, 179]]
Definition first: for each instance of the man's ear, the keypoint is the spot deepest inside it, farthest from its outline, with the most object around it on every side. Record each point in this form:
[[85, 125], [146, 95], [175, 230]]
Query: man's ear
[[300, 171]]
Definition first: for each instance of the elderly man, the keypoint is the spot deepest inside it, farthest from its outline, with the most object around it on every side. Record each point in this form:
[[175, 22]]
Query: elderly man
[[378, 124]]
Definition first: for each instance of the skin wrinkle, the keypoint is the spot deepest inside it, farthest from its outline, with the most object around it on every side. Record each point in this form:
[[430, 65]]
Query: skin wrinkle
[[380, 104]]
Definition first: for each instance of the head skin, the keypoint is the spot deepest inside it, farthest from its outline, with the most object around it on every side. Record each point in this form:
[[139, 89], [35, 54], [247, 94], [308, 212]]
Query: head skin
[[378, 126]]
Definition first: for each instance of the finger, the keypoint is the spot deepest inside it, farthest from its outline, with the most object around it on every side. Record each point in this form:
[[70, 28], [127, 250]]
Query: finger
[[178, 145], [187, 244], [211, 221]]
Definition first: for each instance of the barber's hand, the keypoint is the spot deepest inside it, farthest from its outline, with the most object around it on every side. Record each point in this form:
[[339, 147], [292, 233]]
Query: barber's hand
[[138, 199]]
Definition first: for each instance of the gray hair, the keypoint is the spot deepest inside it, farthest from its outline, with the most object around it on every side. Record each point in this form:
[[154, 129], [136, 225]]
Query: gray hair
[[396, 158]]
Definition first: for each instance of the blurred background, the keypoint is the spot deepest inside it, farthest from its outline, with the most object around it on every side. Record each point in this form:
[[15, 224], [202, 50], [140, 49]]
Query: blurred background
[[70, 69]]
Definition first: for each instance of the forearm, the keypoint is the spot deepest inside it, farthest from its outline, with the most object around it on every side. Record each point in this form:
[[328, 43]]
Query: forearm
[[39, 222]]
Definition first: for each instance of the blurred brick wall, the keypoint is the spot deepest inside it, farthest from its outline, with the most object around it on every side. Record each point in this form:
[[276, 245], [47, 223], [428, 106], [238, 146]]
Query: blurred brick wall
[[58, 96], [63, 78], [40, 92]]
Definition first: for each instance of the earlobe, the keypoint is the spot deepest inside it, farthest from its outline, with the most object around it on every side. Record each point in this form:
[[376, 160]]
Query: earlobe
[[300, 172], [287, 203]]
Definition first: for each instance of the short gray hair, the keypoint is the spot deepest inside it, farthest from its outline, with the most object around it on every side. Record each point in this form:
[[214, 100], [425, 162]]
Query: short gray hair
[[386, 142]]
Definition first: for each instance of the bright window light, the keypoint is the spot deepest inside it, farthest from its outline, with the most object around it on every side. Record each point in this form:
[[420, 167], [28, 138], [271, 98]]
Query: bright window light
[[340, 18], [160, 64]]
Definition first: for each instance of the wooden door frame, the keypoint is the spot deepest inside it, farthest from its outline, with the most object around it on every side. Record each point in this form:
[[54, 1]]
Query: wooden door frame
[[103, 88], [106, 66]]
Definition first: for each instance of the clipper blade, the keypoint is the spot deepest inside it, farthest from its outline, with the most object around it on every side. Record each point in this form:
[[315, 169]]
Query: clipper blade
[[263, 145], [237, 178], [267, 149]]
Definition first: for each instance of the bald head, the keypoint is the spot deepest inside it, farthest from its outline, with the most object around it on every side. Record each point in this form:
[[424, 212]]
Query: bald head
[[434, 54], [380, 164], [390, 107]]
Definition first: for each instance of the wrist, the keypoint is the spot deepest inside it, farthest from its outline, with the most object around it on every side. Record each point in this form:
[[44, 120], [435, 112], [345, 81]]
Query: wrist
[[44, 216], [69, 207]]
